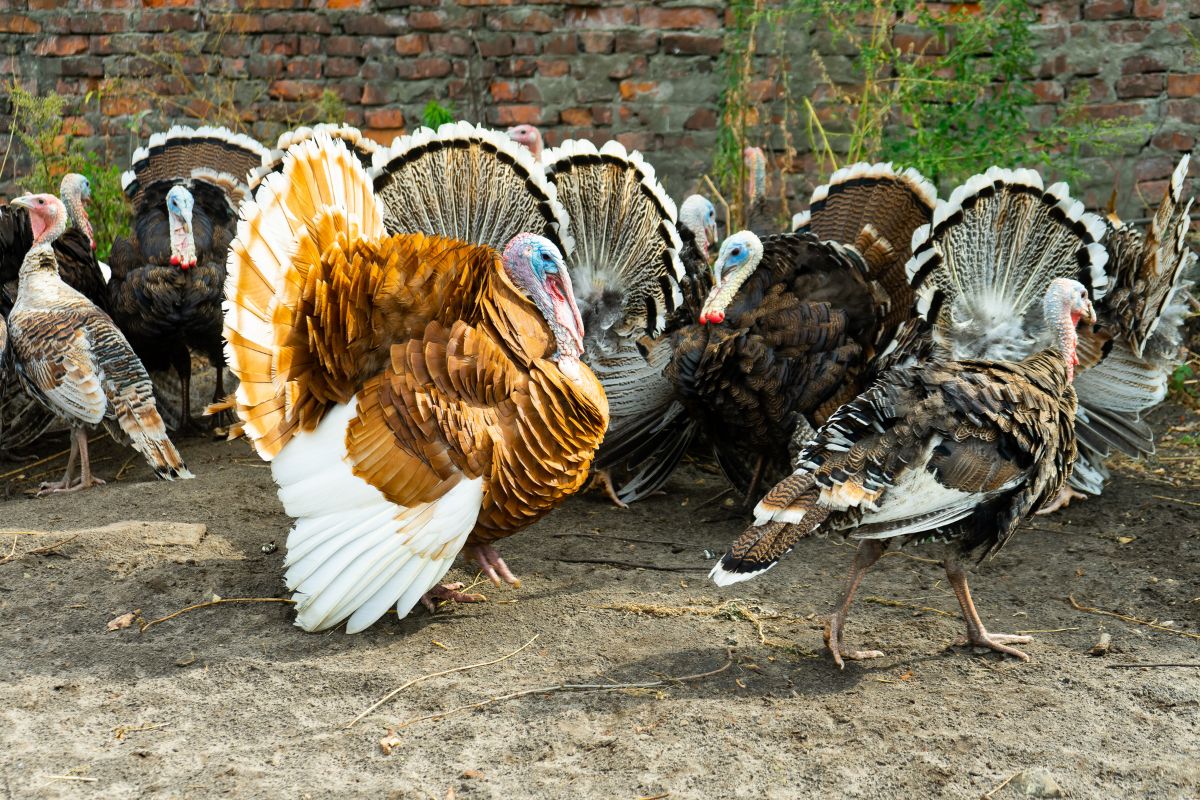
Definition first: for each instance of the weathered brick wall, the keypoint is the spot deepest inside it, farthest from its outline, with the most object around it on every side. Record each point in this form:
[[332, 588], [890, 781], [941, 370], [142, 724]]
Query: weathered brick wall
[[645, 73]]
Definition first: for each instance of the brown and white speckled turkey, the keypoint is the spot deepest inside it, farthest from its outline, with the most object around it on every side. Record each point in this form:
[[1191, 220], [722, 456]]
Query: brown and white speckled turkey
[[795, 320], [73, 359], [22, 418], [955, 449], [627, 276], [1137, 343], [168, 278]]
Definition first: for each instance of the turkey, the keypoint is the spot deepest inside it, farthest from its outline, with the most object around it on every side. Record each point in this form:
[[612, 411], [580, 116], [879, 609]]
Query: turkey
[[627, 275], [790, 328], [362, 147], [697, 233], [23, 419], [1137, 344], [529, 137], [956, 451], [417, 394], [168, 277], [72, 358]]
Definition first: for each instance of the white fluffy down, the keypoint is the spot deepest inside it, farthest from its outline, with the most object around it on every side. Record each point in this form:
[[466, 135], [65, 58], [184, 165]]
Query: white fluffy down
[[352, 553]]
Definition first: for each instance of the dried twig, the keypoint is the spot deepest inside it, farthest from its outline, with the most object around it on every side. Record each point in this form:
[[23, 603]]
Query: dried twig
[[572, 687], [11, 551], [618, 538], [1007, 781], [1135, 620], [219, 601], [37, 463], [1132, 666], [83, 778], [630, 565], [37, 551], [884, 601], [1174, 500], [420, 678]]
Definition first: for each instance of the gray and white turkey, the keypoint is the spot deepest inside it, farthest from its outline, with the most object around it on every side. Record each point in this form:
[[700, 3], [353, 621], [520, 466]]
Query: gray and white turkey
[[627, 275], [1137, 344], [795, 321], [956, 448], [168, 277], [73, 359]]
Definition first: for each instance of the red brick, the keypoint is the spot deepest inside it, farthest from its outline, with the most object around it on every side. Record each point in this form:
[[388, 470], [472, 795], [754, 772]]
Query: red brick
[[692, 44], [422, 68], [503, 91], [1047, 91], [495, 46], [345, 4], [1114, 110], [518, 115], [383, 136], [373, 94], [1178, 141], [634, 90], [1142, 63], [552, 67], [1128, 32], [1150, 9], [303, 68], [427, 20], [525, 44], [576, 116], [1106, 9], [1183, 85], [702, 119], [1058, 13], [1150, 169], [531, 20], [61, 46], [679, 18], [560, 44], [602, 115], [342, 46], [449, 44], [374, 25], [1140, 86], [636, 140], [384, 118], [341, 67], [162, 21], [486, 2], [1151, 188], [295, 90], [597, 41], [1186, 111], [412, 44], [637, 41], [628, 68], [611, 17]]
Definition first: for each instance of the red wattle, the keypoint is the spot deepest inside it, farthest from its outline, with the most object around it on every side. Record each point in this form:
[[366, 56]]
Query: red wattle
[[175, 261], [716, 317], [703, 319]]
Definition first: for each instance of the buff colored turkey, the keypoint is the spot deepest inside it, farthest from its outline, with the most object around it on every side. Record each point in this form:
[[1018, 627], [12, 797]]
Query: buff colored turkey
[[73, 359], [954, 450], [417, 394]]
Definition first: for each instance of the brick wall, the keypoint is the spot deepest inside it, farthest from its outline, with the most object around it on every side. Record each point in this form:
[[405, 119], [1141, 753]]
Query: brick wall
[[645, 73]]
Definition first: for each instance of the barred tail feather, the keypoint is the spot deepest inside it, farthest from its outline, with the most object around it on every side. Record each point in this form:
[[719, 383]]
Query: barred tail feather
[[790, 512], [985, 260], [139, 420]]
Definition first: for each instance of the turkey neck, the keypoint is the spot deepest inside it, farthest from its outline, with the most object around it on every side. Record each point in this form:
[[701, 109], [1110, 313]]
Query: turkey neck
[[523, 328], [39, 275], [77, 214], [1064, 321]]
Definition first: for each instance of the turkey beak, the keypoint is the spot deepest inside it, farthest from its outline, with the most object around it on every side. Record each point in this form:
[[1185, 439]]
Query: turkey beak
[[24, 201], [1089, 312], [710, 233]]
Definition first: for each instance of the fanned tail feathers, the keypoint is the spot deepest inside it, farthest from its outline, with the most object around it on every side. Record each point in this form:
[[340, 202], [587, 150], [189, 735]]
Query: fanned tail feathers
[[981, 267], [468, 183], [624, 226], [362, 147], [321, 195], [215, 155]]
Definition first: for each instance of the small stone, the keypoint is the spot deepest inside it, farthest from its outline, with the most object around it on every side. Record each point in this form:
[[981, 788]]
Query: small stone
[[269, 547], [1037, 783]]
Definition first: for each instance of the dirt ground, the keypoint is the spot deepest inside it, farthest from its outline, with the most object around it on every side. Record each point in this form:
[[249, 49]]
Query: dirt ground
[[233, 700]]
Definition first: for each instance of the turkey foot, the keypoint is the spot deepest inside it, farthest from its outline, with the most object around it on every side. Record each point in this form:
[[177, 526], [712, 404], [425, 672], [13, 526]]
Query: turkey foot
[[448, 593], [491, 564], [977, 635], [1062, 501], [86, 479], [603, 479], [868, 553]]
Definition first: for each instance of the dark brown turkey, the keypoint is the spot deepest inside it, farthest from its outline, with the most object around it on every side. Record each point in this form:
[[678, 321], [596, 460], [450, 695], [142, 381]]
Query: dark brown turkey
[[168, 278], [792, 326], [963, 449]]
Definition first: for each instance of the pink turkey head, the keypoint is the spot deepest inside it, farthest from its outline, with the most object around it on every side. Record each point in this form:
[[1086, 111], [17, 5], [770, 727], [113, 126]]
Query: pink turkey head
[[47, 216], [529, 136]]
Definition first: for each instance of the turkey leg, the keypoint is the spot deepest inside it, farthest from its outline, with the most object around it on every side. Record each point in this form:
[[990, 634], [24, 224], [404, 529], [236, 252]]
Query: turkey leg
[[86, 479], [1062, 501], [977, 635], [448, 593], [182, 362], [491, 564], [603, 478], [49, 487], [868, 553]]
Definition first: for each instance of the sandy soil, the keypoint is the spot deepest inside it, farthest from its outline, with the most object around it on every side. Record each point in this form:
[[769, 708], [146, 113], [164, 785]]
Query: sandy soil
[[233, 700]]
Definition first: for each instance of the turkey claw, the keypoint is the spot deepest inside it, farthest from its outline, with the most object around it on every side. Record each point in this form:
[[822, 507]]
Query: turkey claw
[[1062, 501], [448, 593], [839, 652], [492, 565], [995, 641]]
